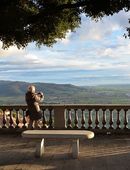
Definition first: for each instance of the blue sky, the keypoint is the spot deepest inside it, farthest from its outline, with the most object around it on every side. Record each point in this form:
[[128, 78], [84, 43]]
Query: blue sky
[[96, 53]]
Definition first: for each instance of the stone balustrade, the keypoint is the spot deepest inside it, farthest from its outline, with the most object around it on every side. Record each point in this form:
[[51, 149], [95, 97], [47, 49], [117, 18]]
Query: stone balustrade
[[98, 118]]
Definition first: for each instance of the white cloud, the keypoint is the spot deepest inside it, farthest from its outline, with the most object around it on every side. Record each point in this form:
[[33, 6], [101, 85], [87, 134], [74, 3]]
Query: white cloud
[[11, 51], [94, 46], [91, 30]]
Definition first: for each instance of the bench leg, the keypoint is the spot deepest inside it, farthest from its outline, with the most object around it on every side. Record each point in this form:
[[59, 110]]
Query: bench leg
[[75, 148], [39, 149]]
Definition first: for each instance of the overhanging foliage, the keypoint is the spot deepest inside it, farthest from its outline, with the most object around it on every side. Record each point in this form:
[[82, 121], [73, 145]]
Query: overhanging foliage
[[44, 21]]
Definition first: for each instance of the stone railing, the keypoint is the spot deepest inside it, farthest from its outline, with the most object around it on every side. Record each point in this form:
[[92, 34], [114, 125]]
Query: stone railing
[[98, 118]]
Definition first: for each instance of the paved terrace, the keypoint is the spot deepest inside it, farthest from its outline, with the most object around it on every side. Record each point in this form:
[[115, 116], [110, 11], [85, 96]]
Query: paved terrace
[[108, 152]]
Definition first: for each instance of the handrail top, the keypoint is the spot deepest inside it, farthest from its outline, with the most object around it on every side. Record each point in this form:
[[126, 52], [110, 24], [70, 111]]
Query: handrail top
[[64, 105], [71, 106]]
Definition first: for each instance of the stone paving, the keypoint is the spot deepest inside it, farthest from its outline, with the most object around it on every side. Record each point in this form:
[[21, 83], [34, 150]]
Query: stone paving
[[101, 153]]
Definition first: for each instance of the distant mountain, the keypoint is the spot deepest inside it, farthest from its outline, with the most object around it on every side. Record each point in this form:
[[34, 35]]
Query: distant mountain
[[12, 88], [16, 88], [13, 92]]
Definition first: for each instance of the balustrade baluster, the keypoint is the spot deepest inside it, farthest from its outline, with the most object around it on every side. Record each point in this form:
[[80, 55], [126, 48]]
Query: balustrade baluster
[[111, 120], [82, 120], [17, 119], [97, 120], [11, 121], [118, 122], [44, 122], [50, 119], [69, 121], [4, 120], [89, 120], [75, 119], [125, 120], [104, 120], [24, 120]]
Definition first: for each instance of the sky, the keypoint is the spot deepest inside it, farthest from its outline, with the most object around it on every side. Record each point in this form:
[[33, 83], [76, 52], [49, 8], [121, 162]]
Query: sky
[[96, 53]]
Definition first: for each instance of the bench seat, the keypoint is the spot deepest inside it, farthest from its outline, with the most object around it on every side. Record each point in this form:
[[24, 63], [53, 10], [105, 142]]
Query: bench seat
[[74, 135]]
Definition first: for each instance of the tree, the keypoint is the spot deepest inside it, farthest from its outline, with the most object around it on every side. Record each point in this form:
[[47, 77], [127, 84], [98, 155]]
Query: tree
[[45, 21]]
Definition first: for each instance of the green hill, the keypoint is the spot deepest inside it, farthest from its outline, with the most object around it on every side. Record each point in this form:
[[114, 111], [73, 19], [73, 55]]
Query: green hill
[[13, 92]]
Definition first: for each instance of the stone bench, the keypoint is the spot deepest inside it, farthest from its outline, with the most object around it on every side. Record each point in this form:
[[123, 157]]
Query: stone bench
[[74, 135]]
